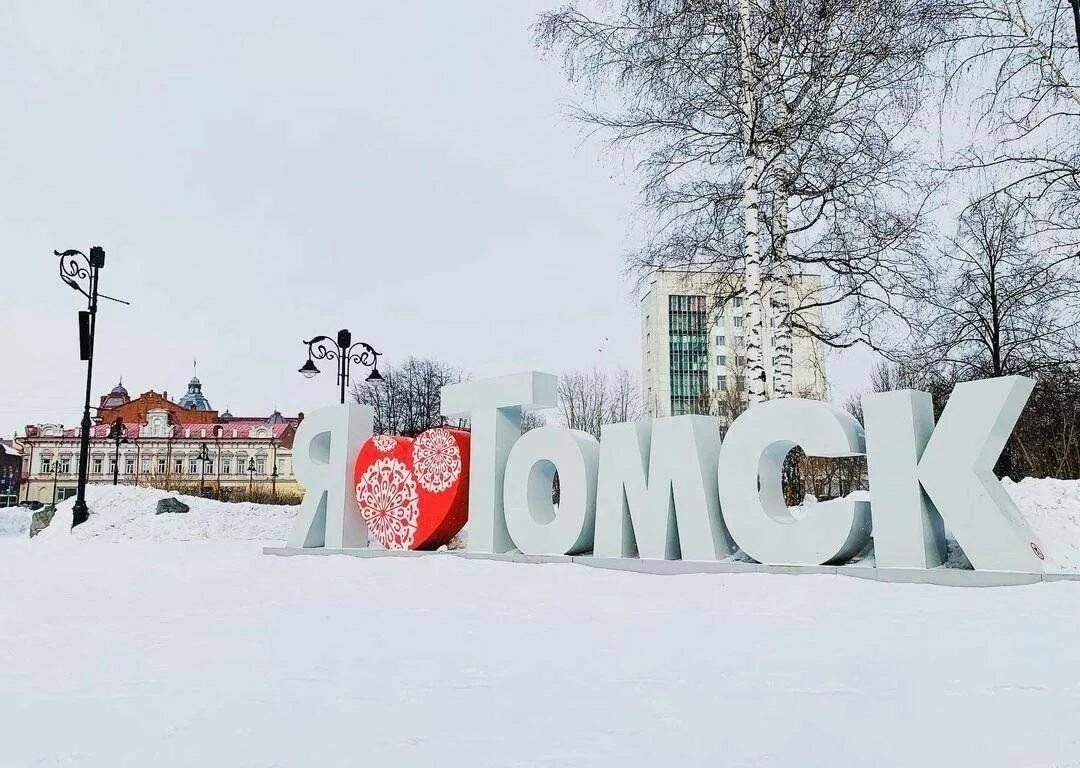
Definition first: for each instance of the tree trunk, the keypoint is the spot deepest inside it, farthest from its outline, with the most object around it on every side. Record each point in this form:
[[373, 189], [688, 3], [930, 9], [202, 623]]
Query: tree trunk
[[781, 291], [755, 368]]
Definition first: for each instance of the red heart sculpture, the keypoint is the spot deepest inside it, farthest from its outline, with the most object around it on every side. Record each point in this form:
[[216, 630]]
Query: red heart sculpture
[[414, 494]]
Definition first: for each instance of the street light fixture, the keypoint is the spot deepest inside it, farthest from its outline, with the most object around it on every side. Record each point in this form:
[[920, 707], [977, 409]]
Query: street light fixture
[[341, 349], [116, 434], [82, 273], [251, 477]]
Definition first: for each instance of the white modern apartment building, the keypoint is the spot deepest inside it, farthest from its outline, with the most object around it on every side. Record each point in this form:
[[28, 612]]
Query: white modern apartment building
[[693, 341]]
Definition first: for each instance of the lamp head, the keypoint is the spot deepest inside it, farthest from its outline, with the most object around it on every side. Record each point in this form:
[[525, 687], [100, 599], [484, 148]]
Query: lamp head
[[309, 370]]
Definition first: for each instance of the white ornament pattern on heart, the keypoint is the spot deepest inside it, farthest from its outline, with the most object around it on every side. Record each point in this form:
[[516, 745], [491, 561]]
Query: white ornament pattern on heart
[[384, 443], [437, 460], [386, 495]]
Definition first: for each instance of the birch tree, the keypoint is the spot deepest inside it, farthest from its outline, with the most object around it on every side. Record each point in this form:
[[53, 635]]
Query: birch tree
[[698, 93]]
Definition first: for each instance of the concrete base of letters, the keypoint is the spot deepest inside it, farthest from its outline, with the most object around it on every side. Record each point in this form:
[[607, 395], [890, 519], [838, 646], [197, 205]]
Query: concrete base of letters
[[950, 577]]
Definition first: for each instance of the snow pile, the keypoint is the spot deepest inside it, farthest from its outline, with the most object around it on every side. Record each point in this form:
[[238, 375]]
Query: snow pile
[[1052, 507], [15, 521], [124, 512]]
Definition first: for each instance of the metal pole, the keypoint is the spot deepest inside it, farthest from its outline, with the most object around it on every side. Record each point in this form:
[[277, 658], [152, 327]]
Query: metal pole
[[217, 439], [80, 513]]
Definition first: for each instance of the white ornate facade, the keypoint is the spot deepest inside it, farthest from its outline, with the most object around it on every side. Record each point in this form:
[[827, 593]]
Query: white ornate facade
[[162, 442]]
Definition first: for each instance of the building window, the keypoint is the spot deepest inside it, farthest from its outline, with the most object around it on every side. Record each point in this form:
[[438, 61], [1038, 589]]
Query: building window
[[719, 341], [96, 465], [260, 466], [721, 381], [46, 465], [721, 359], [738, 321], [193, 466], [162, 464], [226, 467], [688, 353], [129, 466], [65, 465], [112, 466], [241, 465], [144, 465], [738, 303], [178, 466]]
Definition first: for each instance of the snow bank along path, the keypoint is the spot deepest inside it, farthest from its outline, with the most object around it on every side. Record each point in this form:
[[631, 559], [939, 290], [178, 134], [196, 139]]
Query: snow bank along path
[[208, 653], [124, 512]]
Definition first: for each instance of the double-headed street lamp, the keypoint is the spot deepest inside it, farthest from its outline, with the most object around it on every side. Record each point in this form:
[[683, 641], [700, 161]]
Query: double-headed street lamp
[[82, 273], [116, 434], [341, 350]]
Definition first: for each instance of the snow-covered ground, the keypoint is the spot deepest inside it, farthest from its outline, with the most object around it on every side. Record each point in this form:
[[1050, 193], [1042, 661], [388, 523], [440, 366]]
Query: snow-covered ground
[[123, 512], [14, 521], [210, 653]]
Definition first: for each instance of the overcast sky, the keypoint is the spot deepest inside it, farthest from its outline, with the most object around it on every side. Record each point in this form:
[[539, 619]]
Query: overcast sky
[[261, 172]]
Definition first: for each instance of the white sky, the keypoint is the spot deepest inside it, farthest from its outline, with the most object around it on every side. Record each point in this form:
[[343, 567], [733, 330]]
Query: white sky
[[261, 172]]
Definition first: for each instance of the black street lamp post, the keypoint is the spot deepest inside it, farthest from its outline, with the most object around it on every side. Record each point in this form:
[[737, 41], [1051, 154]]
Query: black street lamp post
[[341, 350], [82, 273], [116, 434], [251, 477], [204, 459]]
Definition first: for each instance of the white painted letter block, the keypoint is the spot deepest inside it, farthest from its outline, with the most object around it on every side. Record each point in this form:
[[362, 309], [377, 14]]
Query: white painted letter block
[[324, 452], [955, 467], [908, 531], [657, 495], [494, 407], [534, 524], [753, 452]]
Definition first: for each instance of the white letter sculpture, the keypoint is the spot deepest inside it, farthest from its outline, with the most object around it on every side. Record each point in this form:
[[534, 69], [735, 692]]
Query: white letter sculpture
[[656, 494], [531, 518], [754, 450], [494, 406], [954, 465], [325, 448]]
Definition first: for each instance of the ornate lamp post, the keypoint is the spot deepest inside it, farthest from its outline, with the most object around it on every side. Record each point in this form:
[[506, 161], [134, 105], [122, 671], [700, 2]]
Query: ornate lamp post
[[116, 434], [251, 477], [341, 349], [82, 273], [204, 459]]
